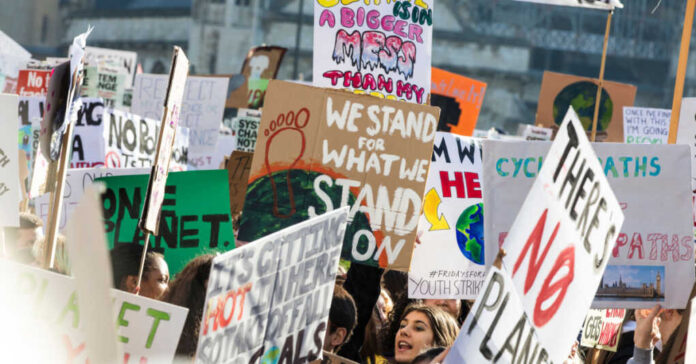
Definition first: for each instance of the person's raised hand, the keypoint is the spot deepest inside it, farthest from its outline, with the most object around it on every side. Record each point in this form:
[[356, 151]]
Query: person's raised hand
[[647, 332]]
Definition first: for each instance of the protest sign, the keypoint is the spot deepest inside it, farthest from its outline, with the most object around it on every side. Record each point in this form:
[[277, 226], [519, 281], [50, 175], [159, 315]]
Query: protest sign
[[319, 149], [449, 260], [560, 91], [195, 216], [543, 284], [331, 358], [249, 87], [646, 126], [130, 141], [169, 115], [652, 258], [246, 129], [13, 57], [10, 191], [200, 161], [460, 100], [686, 132], [106, 82], [88, 139], [382, 49], [125, 60], [531, 132], [30, 111], [201, 110], [238, 168], [270, 300], [602, 329], [592, 4], [52, 314], [33, 82], [76, 181], [88, 258]]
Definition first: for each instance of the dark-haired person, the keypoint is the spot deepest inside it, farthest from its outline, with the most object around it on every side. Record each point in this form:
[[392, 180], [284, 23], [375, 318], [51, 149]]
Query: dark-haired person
[[343, 316], [125, 262], [420, 328], [188, 290], [427, 356]]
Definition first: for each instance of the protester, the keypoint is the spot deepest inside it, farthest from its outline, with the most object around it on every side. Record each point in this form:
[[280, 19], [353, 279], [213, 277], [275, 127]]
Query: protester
[[61, 263], [19, 242], [646, 336], [363, 284], [188, 290], [125, 262], [419, 328], [380, 315], [343, 317], [428, 356]]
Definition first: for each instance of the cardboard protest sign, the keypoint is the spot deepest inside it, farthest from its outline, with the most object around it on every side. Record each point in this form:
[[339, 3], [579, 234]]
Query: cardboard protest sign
[[226, 144], [383, 49], [652, 258], [246, 129], [238, 167], [602, 329], [52, 314], [203, 105], [319, 149], [106, 82], [33, 82], [531, 132], [592, 4], [331, 358], [125, 60], [449, 261], [556, 254], [460, 100], [686, 132], [88, 140], [195, 216], [10, 191], [560, 91], [646, 126], [130, 141], [249, 87], [270, 300], [170, 113], [76, 181]]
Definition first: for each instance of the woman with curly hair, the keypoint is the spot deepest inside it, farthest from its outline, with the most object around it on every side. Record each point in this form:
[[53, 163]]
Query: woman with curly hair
[[188, 290], [416, 330]]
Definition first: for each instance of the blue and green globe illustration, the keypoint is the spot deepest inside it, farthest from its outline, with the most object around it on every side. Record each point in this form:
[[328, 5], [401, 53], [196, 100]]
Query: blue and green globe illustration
[[470, 233], [271, 356], [581, 96]]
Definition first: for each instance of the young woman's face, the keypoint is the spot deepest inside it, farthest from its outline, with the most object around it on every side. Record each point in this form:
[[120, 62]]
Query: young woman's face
[[156, 281], [414, 336]]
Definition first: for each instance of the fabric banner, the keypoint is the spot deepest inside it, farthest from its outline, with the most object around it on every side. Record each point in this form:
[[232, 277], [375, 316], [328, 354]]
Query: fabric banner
[[319, 149], [195, 216], [652, 259], [383, 49], [269, 301], [449, 261]]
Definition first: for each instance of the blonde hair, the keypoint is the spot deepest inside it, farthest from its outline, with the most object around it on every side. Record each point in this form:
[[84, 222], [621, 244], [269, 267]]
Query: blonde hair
[[61, 263]]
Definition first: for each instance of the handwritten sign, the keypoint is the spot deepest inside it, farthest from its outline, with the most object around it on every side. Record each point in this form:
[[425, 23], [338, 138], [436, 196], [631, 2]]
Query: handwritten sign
[[602, 329], [9, 162], [450, 260], [271, 298], [460, 99], [125, 60], [651, 260], [686, 132], [260, 66], [201, 110], [383, 49], [320, 149], [195, 216], [33, 82], [532, 132], [556, 254], [646, 126], [148, 330]]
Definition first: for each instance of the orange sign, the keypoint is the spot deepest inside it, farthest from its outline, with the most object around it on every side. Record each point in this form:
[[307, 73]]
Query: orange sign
[[460, 100]]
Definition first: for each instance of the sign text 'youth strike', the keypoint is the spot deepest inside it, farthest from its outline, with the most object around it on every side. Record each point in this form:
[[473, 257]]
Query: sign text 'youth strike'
[[557, 250]]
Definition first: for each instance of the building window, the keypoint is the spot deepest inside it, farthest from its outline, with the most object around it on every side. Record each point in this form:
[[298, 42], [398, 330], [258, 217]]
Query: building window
[[241, 2]]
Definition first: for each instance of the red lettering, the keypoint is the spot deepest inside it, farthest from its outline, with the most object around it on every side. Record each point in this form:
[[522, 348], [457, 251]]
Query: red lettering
[[548, 290], [72, 352], [636, 244], [535, 260], [447, 184], [473, 187], [620, 241]]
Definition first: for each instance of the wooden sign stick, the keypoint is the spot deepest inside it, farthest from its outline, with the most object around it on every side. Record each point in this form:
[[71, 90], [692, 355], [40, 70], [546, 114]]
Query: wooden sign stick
[[601, 77], [681, 71]]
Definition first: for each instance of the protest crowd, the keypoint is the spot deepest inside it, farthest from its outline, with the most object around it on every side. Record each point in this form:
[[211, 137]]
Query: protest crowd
[[247, 219]]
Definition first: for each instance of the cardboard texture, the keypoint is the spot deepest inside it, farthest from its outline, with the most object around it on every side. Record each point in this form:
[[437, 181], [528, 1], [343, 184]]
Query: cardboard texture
[[449, 262], [560, 91], [279, 290], [460, 99], [383, 48], [655, 245], [321, 149], [553, 264], [238, 167], [195, 216], [248, 89]]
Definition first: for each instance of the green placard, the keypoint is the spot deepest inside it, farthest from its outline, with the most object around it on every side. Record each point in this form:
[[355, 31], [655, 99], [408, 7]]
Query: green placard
[[195, 215]]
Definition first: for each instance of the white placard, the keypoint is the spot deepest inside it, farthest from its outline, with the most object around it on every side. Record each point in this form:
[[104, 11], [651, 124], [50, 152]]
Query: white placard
[[645, 125], [10, 193]]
